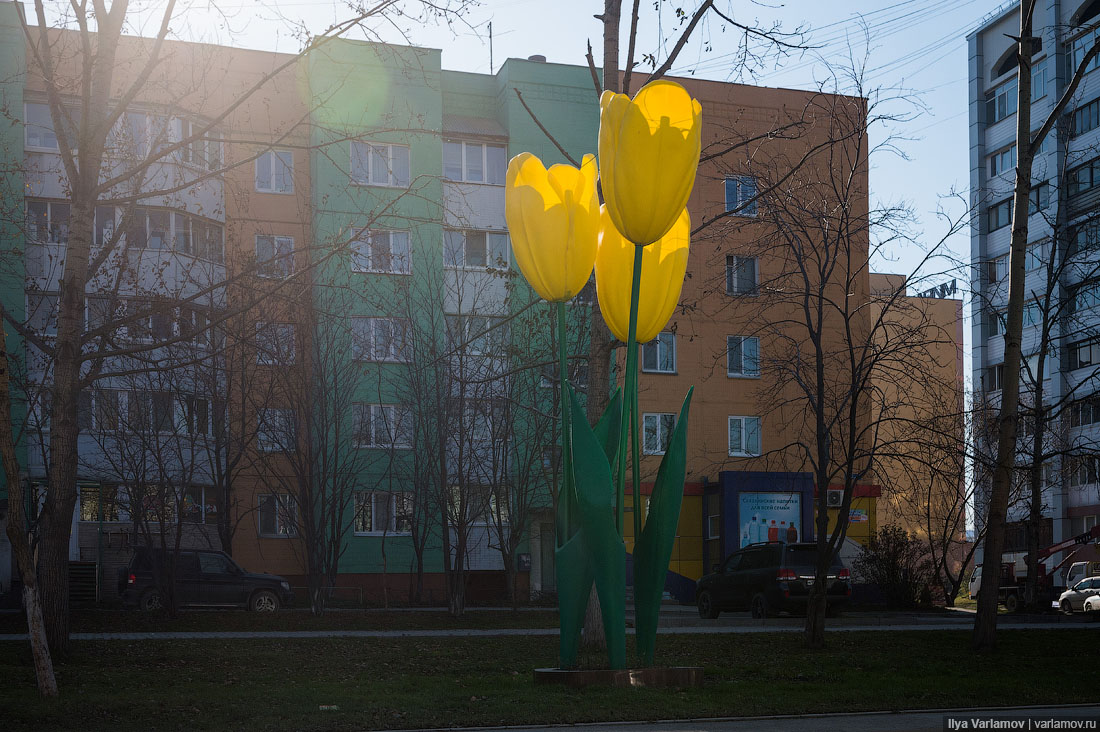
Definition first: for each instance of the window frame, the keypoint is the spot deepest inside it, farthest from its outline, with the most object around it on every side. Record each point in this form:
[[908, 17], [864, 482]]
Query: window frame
[[663, 438], [367, 237], [732, 265], [370, 353], [484, 145], [285, 515], [490, 264], [743, 374], [661, 345], [744, 420], [277, 329], [264, 267], [396, 419], [394, 499], [262, 425], [368, 156], [742, 203], [287, 174]]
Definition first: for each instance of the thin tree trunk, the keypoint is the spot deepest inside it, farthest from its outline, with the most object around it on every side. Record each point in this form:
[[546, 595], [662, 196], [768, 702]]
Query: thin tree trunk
[[985, 621], [17, 534]]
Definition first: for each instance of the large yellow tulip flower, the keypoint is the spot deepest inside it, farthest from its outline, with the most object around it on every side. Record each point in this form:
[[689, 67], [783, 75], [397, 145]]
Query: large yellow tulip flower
[[554, 219], [649, 152], [663, 266]]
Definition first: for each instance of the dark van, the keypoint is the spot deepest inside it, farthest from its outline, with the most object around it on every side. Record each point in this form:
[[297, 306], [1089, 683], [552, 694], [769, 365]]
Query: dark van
[[768, 578]]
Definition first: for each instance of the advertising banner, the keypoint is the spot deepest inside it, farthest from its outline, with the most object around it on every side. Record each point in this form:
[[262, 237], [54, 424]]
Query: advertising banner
[[770, 517]]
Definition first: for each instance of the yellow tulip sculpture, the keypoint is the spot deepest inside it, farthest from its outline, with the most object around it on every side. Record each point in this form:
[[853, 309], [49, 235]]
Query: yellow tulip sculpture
[[664, 264], [649, 151], [648, 154], [553, 219]]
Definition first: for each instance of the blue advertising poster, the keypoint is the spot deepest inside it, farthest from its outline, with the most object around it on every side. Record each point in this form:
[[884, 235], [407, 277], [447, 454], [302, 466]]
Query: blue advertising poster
[[770, 517]]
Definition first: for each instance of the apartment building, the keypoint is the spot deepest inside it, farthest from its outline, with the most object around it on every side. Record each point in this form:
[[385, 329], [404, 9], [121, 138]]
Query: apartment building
[[324, 279], [1061, 263]]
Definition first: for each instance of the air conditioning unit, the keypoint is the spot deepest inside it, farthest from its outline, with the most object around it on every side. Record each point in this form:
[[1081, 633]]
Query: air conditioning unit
[[834, 498]]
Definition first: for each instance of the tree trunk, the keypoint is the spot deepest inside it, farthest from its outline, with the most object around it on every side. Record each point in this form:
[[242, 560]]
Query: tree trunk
[[593, 637], [814, 633], [17, 534], [1035, 515], [985, 621]]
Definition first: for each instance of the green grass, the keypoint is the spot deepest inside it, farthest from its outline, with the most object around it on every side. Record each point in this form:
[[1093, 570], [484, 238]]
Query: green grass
[[111, 621], [384, 683]]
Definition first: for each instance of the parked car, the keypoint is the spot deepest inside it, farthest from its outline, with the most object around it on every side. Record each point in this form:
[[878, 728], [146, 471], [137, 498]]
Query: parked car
[[202, 579], [768, 578], [1074, 599]]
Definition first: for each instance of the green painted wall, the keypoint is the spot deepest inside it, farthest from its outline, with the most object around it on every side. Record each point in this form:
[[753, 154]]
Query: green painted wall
[[12, 76]]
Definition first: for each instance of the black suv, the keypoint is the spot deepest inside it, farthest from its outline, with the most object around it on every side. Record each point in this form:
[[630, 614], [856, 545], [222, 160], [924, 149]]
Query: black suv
[[203, 579], [767, 578]]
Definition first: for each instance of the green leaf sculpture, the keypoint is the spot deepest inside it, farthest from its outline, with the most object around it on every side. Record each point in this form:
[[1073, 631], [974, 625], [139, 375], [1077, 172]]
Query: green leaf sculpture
[[653, 549], [575, 563]]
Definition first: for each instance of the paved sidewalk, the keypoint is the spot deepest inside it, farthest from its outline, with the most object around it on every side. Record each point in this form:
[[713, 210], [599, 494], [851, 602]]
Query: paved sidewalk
[[760, 626]]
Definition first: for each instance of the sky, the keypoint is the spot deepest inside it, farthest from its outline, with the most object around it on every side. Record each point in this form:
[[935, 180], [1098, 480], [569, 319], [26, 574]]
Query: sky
[[913, 53]]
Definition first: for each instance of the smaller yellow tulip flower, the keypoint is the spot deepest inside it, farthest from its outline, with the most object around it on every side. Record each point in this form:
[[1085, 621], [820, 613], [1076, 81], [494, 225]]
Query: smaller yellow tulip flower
[[663, 266], [553, 219], [649, 151]]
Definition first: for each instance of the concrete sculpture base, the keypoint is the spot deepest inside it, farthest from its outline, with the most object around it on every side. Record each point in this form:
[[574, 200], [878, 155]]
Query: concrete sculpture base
[[669, 676]]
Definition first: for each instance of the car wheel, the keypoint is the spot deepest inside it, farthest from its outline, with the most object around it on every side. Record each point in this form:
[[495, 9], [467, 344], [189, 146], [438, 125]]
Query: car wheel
[[1012, 603], [150, 601], [1065, 607], [759, 606], [264, 601], [707, 608]]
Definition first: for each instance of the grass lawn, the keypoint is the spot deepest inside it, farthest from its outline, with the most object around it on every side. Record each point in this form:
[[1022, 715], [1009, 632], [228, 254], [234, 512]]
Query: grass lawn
[[114, 621], [208, 685]]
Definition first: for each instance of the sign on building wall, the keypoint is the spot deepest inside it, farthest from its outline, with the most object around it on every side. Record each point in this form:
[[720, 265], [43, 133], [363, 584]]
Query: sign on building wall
[[769, 517]]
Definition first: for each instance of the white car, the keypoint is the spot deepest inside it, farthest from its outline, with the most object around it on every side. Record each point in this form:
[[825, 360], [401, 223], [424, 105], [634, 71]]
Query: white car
[[1082, 597]]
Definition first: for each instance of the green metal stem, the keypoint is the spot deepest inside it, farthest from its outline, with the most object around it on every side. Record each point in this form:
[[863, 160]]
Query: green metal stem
[[566, 458], [630, 382], [635, 458]]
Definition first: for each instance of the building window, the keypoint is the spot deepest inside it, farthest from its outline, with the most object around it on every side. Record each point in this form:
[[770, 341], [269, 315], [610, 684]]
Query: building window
[[1039, 198], [1084, 353], [148, 320], [1084, 296], [201, 152], [150, 412], [194, 415], [382, 425], [741, 275], [103, 502], [741, 194], [42, 313], [994, 377], [275, 256], [474, 162], [1000, 215], [193, 325], [1083, 470], [656, 432], [1039, 78], [47, 222], [997, 269], [1079, 47], [1084, 177], [659, 355], [276, 429], [742, 356], [996, 323], [1084, 412], [475, 249], [38, 131], [275, 344], [1035, 256], [379, 164], [1002, 161], [744, 437], [278, 515], [714, 526], [1001, 102], [1086, 118], [386, 252], [275, 171], [378, 339], [383, 513], [477, 335], [108, 407]]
